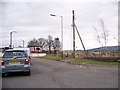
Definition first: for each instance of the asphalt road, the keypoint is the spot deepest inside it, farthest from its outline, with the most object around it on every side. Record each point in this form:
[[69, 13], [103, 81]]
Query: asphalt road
[[55, 74]]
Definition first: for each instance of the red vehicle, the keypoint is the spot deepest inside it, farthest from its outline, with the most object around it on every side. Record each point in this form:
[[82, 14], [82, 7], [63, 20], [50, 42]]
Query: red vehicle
[[36, 51]]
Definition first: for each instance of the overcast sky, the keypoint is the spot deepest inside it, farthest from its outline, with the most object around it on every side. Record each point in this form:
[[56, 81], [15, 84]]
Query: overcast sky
[[31, 19]]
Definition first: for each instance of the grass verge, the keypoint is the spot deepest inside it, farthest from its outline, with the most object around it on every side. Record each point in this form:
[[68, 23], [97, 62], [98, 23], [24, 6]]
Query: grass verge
[[86, 61], [80, 61]]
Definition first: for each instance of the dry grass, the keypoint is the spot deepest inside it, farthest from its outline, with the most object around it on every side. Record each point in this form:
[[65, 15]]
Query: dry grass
[[93, 54], [80, 61]]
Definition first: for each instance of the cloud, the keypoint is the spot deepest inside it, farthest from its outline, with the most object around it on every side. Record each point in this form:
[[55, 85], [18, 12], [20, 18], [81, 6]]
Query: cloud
[[33, 20]]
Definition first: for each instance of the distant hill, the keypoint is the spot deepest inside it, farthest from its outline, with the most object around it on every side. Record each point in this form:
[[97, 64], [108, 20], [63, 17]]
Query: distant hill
[[79, 50], [101, 49], [108, 48]]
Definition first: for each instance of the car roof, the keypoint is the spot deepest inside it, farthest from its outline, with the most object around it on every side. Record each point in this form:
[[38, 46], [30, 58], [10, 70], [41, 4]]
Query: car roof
[[14, 50]]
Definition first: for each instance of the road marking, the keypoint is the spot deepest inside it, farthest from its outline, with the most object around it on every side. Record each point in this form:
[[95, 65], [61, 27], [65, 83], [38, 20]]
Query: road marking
[[80, 66], [86, 67]]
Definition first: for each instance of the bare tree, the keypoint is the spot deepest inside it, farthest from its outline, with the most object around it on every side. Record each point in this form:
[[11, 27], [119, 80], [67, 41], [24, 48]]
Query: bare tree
[[33, 43], [105, 33], [42, 43], [50, 43], [56, 45], [98, 36], [102, 35]]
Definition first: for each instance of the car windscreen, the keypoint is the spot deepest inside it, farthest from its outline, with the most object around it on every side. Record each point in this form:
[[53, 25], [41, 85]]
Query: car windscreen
[[17, 54]]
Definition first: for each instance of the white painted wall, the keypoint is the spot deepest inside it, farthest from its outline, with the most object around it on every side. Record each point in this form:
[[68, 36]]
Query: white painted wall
[[38, 54]]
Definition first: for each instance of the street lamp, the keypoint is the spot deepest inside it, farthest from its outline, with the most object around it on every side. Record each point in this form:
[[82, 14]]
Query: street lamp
[[23, 43], [61, 31], [11, 38]]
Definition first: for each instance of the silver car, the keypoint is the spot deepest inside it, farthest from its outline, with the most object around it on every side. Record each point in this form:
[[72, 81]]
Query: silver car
[[15, 61]]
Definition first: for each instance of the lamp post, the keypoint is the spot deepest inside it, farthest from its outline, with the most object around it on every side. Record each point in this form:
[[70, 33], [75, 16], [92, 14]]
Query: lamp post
[[11, 38], [61, 32], [23, 43]]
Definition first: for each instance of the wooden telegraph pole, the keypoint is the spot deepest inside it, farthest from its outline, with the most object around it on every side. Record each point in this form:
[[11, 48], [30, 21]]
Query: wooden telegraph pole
[[73, 34], [75, 28]]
